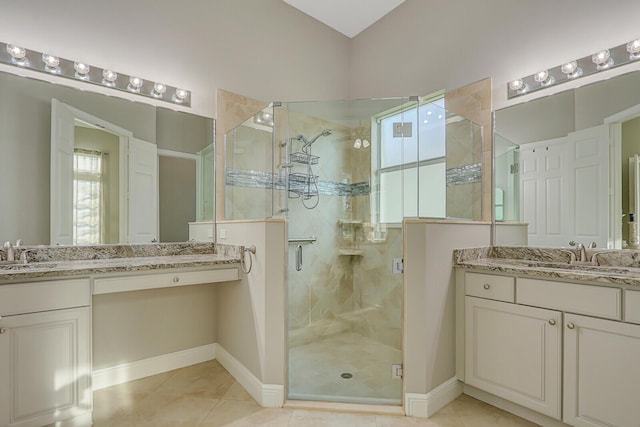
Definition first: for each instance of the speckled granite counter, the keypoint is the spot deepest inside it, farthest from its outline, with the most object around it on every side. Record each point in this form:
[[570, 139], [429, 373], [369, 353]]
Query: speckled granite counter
[[61, 261], [614, 267]]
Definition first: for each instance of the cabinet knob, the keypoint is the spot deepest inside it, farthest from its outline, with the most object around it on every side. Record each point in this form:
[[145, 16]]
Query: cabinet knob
[[3, 330], [552, 322], [571, 325], [176, 279], [486, 286]]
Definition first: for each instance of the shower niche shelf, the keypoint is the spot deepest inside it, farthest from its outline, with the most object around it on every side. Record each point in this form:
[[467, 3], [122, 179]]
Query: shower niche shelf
[[348, 230], [350, 252]]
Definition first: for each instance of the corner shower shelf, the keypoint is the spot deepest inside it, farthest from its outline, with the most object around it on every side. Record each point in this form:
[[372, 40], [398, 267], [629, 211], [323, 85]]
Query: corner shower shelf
[[350, 252], [304, 158], [352, 222]]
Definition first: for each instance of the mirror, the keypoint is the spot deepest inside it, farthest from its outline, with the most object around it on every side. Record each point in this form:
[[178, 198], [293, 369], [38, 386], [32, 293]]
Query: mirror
[[566, 158], [184, 144]]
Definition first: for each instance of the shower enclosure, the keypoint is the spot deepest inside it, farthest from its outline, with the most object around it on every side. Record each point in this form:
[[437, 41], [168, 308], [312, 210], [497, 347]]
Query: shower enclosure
[[345, 174]]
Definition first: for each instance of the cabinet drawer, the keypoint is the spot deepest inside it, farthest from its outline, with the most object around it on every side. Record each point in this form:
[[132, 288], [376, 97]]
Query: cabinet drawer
[[33, 297], [632, 306], [596, 301], [499, 288], [163, 280]]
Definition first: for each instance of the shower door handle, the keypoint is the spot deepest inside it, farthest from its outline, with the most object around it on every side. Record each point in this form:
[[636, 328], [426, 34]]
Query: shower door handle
[[299, 258]]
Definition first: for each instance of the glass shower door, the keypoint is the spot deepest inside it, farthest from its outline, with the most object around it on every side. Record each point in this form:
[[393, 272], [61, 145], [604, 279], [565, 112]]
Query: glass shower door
[[344, 302]]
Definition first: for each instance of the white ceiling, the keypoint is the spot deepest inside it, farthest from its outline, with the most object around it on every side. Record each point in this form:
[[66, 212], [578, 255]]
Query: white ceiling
[[349, 17]]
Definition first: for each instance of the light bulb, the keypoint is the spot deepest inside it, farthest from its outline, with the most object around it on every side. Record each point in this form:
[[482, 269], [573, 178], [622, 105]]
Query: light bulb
[[571, 69], [602, 59], [82, 70], [429, 113], [365, 143], [109, 78], [357, 143], [518, 85], [16, 52], [159, 89], [181, 95], [18, 55], [541, 76], [136, 82], [50, 61], [633, 47]]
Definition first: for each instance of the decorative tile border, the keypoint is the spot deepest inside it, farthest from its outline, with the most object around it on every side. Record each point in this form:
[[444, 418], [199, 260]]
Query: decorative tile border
[[467, 174], [266, 180]]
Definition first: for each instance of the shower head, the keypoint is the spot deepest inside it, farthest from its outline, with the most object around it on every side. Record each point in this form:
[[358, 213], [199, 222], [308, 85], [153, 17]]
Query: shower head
[[325, 132]]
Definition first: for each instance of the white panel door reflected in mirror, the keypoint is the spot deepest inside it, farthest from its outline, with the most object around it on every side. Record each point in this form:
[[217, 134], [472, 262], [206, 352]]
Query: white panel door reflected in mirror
[[103, 181]]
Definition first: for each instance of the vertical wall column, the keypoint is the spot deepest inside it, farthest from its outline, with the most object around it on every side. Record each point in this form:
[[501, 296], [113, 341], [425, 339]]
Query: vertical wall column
[[473, 102]]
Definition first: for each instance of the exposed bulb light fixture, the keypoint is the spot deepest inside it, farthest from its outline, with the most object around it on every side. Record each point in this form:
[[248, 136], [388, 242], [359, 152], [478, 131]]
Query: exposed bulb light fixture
[[14, 55], [602, 59], [109, 78], [581, 67], [135, 83], [519, 86], [357, 143], [633, 47], [544, 78], [18, 55], [158, 90], [51, 63], [82, 70], [181, 95], [571, 69], [365, 143]]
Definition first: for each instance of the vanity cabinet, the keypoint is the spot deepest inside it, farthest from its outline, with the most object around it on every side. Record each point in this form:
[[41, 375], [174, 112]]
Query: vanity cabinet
[[559, 348], [514, 352], [601, 372], [45, 353]]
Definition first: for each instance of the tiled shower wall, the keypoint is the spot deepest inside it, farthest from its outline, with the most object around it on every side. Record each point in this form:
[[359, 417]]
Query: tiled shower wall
[[340, 293]]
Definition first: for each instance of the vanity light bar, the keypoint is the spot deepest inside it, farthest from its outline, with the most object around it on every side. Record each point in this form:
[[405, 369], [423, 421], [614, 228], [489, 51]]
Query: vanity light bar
[[569, 71], [76, 70]]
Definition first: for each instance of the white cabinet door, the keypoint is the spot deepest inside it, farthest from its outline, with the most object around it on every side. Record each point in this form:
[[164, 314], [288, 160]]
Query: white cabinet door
[[143, 191], [514, 352], [601, 372], [45, 367], [62, 137]]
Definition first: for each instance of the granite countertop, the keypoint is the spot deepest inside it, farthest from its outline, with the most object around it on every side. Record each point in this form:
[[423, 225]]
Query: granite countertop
[[50, 263], [618, 267]]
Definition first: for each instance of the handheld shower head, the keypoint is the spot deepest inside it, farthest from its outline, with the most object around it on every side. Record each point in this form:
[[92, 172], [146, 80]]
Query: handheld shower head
[[325, 132]]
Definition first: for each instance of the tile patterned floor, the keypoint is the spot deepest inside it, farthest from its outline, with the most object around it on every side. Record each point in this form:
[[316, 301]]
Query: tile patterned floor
[[206, 395]]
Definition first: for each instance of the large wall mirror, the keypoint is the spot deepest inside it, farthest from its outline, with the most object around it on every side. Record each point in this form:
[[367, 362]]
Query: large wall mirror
[[78, 167], [566, 169]]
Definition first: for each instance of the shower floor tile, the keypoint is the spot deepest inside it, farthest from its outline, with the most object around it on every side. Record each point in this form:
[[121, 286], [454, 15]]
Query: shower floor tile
[[315, 370]]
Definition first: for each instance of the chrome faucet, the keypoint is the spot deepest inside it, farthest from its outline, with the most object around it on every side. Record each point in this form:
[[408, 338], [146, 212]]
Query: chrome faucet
[[11, 254], [582, 252]]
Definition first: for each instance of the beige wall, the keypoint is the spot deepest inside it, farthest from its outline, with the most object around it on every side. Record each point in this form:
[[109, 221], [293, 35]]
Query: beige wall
[[429, 342], [251, 311], [261, 48], [177, 197], [424, 46], [131, 326]]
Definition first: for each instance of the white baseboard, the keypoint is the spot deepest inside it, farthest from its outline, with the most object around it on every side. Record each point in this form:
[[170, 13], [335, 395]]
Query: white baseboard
[[119, 374], [425, 405], [267, 395]]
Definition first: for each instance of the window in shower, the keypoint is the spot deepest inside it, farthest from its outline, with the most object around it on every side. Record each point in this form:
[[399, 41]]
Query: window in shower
[[412, 160]]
